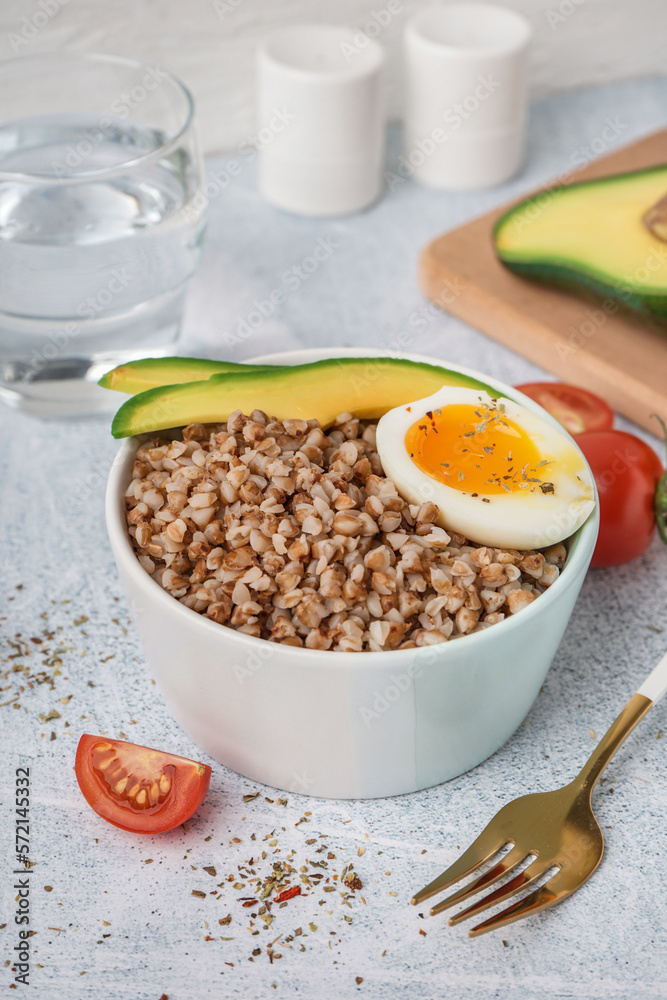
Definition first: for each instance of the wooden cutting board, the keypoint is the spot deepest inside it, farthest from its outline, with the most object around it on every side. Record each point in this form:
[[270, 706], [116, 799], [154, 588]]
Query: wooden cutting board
[[617, 356]]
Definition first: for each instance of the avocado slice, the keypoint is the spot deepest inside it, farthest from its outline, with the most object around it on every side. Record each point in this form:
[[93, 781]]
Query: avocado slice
[[148, 373], [596, 237], [367, 387]]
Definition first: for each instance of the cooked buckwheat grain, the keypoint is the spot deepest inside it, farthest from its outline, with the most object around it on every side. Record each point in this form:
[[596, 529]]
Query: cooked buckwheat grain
[[292, 534]]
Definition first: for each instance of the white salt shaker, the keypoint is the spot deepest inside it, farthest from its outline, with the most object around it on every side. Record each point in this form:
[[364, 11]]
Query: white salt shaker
[[466, 95], [321, 124]]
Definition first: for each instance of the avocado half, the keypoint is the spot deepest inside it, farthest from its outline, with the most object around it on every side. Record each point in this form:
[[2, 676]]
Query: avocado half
[[148, 373], [366, 387], [597, 237]]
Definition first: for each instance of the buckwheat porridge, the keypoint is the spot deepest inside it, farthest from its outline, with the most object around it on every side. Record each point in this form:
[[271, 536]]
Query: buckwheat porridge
[[293, 534]]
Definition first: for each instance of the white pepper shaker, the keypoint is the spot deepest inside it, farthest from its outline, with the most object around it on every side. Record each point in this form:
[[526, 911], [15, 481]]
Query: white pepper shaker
[[466, 95], [321, 112]]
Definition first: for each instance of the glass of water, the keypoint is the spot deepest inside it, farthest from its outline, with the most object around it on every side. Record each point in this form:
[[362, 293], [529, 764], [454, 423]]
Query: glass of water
[[101, 223]]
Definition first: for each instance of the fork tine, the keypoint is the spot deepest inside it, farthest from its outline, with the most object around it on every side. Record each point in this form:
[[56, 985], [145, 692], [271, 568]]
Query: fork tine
[[510, 888], [552, 892], [487, 844], [515, 856]]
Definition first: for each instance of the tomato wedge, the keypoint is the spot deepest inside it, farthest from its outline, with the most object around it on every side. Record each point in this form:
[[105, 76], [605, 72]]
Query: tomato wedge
[[576, 409], [137, 788]]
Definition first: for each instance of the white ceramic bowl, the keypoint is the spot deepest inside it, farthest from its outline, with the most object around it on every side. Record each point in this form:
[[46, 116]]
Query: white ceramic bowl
[[344, 725]]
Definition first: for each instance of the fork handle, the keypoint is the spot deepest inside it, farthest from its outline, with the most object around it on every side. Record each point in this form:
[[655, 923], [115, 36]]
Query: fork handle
[[650, 692], [655, 684]]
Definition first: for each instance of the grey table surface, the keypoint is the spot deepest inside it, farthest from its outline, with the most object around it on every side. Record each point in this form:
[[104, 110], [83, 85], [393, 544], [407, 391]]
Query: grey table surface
[[113, 914]]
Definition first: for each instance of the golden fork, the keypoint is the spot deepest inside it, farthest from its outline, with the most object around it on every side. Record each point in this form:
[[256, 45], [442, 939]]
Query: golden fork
[[557, 828]]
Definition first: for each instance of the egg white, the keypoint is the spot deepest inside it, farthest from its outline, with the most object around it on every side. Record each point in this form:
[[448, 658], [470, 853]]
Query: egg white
[[520, 520]]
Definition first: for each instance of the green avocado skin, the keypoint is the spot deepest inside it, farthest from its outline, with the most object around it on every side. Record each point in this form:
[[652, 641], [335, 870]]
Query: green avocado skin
[[171, 405], [649, 307], [570, 278]]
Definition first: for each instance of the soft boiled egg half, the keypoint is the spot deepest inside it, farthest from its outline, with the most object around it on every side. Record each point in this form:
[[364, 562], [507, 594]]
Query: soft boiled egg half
[[499, 474]]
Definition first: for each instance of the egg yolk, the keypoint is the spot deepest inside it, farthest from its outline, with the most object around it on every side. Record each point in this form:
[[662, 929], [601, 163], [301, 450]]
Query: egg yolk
[[477, 450]]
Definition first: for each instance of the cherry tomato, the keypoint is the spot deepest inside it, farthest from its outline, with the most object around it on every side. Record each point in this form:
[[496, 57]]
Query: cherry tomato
[[627, 472], [136, 788], [660, 500], [576, 409]]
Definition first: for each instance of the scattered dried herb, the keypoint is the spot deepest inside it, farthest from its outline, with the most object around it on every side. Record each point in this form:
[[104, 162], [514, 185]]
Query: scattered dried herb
[[273, 881]]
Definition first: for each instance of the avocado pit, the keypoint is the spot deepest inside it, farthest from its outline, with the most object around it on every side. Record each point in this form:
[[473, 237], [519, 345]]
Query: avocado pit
[[655, 219]]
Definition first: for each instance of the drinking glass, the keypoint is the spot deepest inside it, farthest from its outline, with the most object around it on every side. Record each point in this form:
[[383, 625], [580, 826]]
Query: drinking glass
[[101, 223]]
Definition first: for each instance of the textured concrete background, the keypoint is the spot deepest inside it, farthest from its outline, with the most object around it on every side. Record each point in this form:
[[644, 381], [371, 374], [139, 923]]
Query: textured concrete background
[[120, 920], [211, 43]]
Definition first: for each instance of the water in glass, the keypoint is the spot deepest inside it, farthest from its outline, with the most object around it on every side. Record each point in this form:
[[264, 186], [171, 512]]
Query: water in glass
[[98, 237]]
